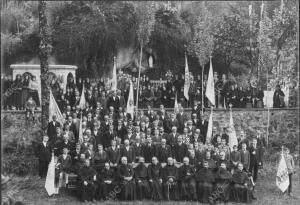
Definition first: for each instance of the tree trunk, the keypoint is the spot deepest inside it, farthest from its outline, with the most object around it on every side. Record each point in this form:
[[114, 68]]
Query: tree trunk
[[44, 50]]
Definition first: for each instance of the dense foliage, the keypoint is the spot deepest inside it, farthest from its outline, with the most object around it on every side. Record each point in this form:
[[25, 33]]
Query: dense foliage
[[89, 33]]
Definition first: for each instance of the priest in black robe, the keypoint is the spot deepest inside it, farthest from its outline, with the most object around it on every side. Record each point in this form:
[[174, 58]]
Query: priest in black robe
[[223, 180], [205, 180], [170, 180], [187, 181], [107, 182], [240, 192], [141, 178], [127, 182], [155, 179], [87, 177]]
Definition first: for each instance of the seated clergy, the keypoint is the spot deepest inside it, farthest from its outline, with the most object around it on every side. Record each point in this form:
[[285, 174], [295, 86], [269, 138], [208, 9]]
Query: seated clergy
[[155, 179], [240, 192], [125, 174], [223, 179], [100, 158], [205, 179], [87, 177], [187, 181], [140, 175], [170, 180], [106, 181]]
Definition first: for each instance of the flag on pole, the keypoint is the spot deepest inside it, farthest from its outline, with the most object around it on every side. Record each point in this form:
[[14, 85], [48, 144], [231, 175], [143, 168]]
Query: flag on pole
[[250, 9], [176, 107], [262, 9], [232, 134], [80, 134], [130, 101], [54, 110], [186, 79], [210, 127], [282, 177], [210, 87], [114, 77], [49, 184], [82, 99]]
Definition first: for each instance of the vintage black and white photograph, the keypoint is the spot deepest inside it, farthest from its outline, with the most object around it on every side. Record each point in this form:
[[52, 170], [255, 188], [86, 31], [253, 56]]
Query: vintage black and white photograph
[[150, 102]]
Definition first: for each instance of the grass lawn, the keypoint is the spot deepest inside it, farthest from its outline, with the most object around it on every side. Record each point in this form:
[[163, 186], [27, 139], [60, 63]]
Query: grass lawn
[[32, 191]]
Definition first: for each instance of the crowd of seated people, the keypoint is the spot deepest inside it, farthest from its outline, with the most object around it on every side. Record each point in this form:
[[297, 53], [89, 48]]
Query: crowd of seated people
[[153, 94], [153, 155]]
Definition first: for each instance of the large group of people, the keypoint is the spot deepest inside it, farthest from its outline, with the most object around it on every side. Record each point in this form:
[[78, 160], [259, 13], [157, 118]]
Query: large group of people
[[161, 92], [151, 155]]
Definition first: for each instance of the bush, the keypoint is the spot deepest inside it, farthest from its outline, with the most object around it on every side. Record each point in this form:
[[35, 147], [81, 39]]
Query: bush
[[19, 164]]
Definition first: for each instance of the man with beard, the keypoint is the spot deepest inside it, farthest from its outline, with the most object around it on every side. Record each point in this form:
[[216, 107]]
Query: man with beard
[[170, 180], [106, 179], [223, 178], [205, 179], [188, 183], [113, 154], [128, 152], [240, 192], [141, 175], [87, 186], [125, 174], [155, 180]]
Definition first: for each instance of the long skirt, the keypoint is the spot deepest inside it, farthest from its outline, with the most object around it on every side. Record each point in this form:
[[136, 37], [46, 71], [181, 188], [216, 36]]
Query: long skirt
[[142, 190], [87, 192], [16, 99], [240, 194], [24, 96], [188, 190], [171, 191], [205, 190], [156, 190], [106, 191], [128, 190]]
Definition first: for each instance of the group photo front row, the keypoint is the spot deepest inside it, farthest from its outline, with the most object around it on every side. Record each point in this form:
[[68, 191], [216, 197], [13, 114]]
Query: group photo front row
[[160, 157]]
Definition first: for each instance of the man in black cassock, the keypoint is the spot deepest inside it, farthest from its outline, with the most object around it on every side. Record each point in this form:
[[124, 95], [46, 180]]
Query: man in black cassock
[[205, 179], [43, 152], [187, 181], [127, 183], [106, 179], [87, 182], [141, 175], [155, 180], [240, 191], [170, 180], [223, 179]]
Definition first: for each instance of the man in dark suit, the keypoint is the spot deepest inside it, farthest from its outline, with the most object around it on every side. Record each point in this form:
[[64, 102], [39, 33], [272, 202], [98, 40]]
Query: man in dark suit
[[255, 159], [204, 126], [164, 151], [148, 150], [122, 101], [114, 101], [43, 152], [51, 128], [180, 150], [170, 123], [127, 151], [182, 118]]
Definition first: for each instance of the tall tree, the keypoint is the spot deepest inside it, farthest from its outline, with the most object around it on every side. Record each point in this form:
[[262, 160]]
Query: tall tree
[[44, 51], [202, 43], [146, 19]]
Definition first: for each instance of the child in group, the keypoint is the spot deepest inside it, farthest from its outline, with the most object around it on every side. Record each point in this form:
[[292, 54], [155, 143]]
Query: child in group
[[290, 166]]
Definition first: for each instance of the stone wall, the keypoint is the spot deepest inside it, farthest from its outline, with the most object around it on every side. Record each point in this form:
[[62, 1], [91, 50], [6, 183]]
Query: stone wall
[[283, 123]]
